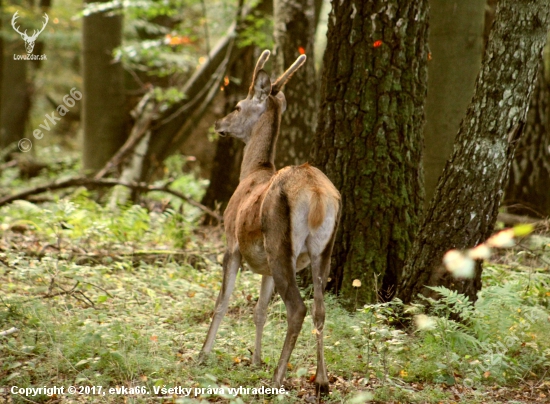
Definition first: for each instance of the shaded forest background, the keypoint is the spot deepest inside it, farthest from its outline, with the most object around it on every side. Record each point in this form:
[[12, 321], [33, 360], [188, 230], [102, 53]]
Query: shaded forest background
[[432, 118]]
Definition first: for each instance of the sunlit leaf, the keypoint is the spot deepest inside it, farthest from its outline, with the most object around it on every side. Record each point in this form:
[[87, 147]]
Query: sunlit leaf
[[522, 230]]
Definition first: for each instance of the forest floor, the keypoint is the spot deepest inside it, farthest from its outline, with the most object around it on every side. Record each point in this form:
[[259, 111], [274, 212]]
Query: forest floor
[[122, 300]]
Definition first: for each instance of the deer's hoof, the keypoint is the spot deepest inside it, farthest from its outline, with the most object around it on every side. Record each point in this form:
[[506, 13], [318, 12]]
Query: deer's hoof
[[321, 389]]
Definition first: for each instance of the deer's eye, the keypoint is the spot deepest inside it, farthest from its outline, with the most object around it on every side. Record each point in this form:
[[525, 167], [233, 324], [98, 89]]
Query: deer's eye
[[238, 109]]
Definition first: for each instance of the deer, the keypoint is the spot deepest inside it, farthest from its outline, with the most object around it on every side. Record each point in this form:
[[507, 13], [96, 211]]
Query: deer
[[29, 40], [278, 222]]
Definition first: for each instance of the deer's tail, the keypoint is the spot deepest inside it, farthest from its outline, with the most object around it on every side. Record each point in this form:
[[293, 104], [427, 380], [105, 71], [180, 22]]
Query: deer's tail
[[317, 209]]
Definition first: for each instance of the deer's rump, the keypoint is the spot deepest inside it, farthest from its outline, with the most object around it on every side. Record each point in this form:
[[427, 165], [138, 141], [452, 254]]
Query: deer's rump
[[297, 213]]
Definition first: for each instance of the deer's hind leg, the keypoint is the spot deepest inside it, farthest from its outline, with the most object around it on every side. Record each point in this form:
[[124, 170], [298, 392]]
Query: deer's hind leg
[[276, 228], [320, 267], [260, 315]]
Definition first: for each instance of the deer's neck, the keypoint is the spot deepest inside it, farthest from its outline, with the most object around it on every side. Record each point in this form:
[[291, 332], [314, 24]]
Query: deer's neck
[[259, 152]]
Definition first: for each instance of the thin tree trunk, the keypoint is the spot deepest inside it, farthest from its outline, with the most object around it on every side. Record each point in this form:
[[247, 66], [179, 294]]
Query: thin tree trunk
[[465, 205], [1, 67], [369, 137], [456, 42], [104, 113], [16, 94], [294, 33], [528, 189]]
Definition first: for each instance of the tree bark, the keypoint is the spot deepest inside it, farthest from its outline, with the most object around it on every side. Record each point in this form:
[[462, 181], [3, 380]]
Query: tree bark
[[104, 113], [294, 34], [465, 205], [369, 137], [528, 189], [16, 94], [456, 43]]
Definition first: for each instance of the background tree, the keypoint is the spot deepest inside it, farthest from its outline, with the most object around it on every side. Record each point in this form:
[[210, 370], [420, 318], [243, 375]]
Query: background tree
[[369, 137], [16, 85], [527, 191], [294, 34], [465, 205], [456, 42], [104, 113], [1, 66]]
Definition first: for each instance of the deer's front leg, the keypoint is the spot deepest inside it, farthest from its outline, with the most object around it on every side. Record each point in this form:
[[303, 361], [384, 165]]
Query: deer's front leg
[[260, 314], [231, 264]]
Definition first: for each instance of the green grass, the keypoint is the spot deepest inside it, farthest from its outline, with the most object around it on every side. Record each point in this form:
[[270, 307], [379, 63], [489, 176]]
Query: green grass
[[124, 299]]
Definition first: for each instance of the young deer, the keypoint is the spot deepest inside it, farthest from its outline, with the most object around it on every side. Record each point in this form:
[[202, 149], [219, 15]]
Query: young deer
[[277, 221]]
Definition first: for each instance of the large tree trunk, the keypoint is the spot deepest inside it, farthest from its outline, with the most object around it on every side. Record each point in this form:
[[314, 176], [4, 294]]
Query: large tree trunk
[[294, 33], [104, 113], [456, 42], [465, 205], [369, 137], [528, 189]]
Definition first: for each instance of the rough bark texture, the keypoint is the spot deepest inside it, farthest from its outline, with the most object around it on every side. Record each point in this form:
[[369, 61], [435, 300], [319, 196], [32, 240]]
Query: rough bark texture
[[369, 137], [490, 9], [465, 206], [294, 33], [456, 42], [104, 113], [528, 189]]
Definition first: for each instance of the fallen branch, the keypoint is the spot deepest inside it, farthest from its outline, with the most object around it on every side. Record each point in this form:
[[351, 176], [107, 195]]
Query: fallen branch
[[106, 182], [64, 292], [12, 330]]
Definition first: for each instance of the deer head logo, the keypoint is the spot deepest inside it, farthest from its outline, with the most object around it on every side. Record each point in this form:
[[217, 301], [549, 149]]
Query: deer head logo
[[29, 40]]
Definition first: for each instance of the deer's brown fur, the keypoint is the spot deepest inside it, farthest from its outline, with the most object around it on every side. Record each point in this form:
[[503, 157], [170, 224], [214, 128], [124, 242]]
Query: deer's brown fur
[[277, 221]]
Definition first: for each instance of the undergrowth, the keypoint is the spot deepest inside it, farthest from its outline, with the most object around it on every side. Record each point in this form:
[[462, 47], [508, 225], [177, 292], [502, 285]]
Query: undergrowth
[[124, 298]]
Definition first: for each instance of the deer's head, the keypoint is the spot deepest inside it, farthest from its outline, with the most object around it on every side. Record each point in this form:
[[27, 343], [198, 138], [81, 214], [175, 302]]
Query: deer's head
[[29, 40], [262, 95]]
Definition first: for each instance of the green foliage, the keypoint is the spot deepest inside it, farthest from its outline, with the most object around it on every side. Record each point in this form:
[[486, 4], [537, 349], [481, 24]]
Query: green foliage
[[123, 298], [258, 31]]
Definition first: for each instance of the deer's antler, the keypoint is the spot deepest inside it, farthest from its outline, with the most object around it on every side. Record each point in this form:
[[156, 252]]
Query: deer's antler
[[281, 81], [259, 66]]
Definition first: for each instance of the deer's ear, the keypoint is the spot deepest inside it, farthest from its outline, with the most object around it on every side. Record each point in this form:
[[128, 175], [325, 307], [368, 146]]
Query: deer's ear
[[262, 86], [281, 97]]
